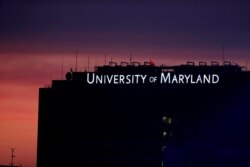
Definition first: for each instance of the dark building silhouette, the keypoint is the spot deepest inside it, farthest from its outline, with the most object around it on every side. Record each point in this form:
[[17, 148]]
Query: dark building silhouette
[[146, 124]]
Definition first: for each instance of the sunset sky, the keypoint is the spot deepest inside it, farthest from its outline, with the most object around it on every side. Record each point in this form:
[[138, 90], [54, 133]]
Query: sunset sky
[[36, 36]]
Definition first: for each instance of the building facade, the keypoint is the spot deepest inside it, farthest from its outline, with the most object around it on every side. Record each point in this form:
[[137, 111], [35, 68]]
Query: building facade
[[145, 124]]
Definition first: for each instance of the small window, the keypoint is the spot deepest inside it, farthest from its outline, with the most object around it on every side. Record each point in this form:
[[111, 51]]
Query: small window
[[167, 120]]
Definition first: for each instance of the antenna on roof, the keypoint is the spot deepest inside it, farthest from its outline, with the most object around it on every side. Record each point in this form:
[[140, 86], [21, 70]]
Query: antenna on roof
[[62, 68], [130, 59], [76, 59], [105, 58], [88, 63], [111, 59], [246, 64], [223, 53], [12, 156]]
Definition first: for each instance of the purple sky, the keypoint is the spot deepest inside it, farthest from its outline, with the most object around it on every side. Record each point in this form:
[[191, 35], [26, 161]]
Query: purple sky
[[36, 35], [127, 26]]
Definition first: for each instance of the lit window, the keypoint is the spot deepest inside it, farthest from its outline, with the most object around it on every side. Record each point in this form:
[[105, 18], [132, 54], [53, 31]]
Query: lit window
[[167, 120], [164, 118], [164, 134]]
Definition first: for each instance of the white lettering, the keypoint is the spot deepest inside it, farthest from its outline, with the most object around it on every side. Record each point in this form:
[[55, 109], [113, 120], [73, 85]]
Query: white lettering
[[215, 78], [165, 79]]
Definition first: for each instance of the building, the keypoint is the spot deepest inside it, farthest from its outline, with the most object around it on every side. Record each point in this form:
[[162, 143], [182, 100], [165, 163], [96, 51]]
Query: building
[[146, 124]]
